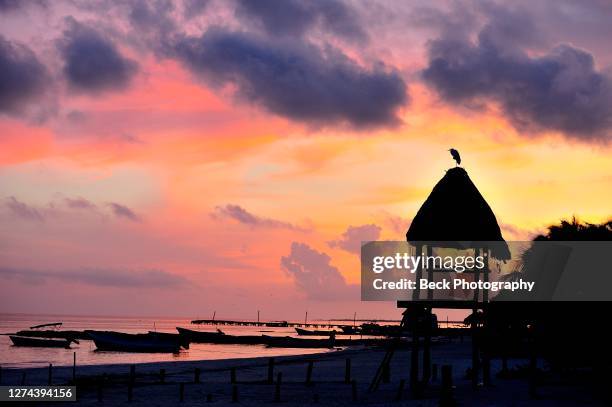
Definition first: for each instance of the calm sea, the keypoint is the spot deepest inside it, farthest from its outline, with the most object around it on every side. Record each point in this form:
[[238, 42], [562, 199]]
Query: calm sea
[[13, 356]]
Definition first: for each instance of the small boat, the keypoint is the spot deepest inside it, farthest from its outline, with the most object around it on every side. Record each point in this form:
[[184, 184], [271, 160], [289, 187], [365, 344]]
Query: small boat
[[40, 342], [53, 324], [49, 333], [289, 342], [123, 342], [350, 330], [220, 337], [172, 337], [314, 332]]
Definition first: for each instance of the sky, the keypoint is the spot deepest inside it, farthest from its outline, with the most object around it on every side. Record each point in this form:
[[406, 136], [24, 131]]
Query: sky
[[181, 158]]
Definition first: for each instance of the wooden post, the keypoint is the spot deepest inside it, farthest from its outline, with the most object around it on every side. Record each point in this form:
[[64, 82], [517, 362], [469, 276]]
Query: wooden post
[[309, 373], [270, 370], [131, 381], [196, 375], [475, 350], [427, 343], [446, 394], [347, 371], [73, 367], [386, 373], [414, 352], [354, 390], [162, 376], [279, 379], [416, 293], [130, 390], [233, 375], [50, 374], [182, 392], [209, 398], [234, 394], [100, 390], [400, 390], [533, 366]]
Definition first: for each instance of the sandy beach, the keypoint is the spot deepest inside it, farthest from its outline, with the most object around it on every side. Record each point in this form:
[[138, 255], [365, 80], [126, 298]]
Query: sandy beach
[[328, 386]]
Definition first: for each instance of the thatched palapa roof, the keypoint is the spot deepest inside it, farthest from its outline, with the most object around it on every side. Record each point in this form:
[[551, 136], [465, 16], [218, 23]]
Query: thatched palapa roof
[[456, 213]]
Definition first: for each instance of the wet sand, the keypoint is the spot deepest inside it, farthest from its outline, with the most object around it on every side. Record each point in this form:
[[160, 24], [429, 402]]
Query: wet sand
[[328, 385]]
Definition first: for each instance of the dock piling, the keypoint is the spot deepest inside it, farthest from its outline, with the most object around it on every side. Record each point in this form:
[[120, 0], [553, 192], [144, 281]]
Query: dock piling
[[100, 390], [182, 392], [434, 372], [73, 367], [23, 378], [347, 371], [162, 376], [309, 373], [400, 390], [233, 375], [234, 394], [196, 375], [270, 370], [446, 394], [279, 380], [354, 390], [386, 373], [130, 391], [50, 374]]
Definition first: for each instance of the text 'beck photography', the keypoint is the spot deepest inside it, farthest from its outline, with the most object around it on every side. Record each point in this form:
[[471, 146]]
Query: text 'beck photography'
[[334, 202]]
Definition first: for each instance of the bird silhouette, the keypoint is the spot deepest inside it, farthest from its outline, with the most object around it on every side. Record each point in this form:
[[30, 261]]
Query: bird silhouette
[[455, 155]]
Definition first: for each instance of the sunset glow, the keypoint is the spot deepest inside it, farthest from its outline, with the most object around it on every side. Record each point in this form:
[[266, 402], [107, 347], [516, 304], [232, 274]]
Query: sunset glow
[[177, 184]]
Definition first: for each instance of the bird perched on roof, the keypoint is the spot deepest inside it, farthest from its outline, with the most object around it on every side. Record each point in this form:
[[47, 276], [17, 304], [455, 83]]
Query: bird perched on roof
[[455, 155]]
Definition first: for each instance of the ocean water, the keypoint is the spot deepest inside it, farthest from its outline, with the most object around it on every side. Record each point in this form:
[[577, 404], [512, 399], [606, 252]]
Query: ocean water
[[86, 354]]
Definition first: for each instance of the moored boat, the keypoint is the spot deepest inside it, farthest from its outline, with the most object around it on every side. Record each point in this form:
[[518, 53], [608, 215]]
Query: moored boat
[[183, 341], [40, 342], [123, 342], [49, 333], [219, 337], [314, 332], [289, 342]]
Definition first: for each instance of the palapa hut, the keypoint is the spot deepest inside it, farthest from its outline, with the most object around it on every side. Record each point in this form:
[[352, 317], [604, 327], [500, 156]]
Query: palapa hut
[[456, 215]]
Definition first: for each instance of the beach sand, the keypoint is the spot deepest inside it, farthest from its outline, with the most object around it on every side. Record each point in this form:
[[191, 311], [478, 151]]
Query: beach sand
[[328, 377]]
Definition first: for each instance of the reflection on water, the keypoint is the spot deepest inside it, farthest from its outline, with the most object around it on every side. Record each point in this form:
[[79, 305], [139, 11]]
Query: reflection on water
[[13, 356]]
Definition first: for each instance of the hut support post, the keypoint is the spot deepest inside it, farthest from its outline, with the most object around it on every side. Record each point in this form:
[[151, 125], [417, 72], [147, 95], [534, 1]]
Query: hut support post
[[416, 293], [427, 345], [414, 353]]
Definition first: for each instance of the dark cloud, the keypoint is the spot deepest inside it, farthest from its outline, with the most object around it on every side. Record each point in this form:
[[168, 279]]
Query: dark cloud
[[353, 237], [122, 211], [560, 90], [22, 210], [15, 5], [92, 62], [296, 17], [296, 80], [79, 203], [194, 8], [152, 16], [245, 217], [22, 77], [100, 277], [313, 274]]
